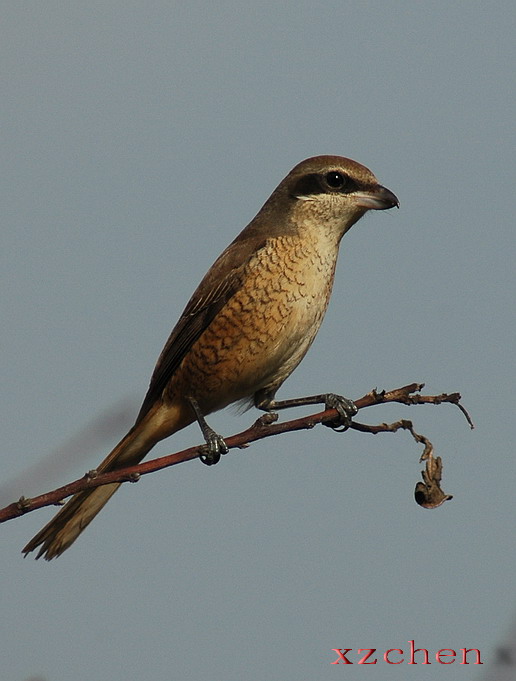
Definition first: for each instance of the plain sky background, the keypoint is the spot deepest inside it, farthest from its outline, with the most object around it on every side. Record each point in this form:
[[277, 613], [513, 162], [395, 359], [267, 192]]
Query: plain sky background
[[138, 138]]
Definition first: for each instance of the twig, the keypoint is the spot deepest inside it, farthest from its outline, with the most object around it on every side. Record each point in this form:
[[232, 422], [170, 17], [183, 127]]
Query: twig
[[427, 493]]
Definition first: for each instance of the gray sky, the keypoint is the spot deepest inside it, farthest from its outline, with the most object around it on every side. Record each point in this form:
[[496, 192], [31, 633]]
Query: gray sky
[[138, 139]]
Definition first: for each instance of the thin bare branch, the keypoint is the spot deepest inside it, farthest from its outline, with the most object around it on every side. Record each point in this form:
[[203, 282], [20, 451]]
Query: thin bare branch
[[428, 493]]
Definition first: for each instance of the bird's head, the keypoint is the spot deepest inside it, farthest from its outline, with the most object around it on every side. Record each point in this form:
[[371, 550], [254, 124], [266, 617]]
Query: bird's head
[[328, 190]]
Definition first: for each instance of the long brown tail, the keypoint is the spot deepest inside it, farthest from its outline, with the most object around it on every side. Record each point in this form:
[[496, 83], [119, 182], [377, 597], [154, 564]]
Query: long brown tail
[[80, 510]]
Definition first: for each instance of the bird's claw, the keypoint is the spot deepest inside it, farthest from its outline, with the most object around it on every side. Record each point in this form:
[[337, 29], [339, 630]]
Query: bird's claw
[[346, 409], [214, 447]]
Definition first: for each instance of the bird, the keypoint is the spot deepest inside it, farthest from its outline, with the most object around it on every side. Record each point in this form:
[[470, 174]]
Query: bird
[[246, 327]]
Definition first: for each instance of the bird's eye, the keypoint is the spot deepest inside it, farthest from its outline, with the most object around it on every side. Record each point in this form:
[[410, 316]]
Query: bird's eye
[[335, 179]]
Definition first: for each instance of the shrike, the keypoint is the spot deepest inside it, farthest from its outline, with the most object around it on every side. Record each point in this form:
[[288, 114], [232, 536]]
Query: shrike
[[246, 327]]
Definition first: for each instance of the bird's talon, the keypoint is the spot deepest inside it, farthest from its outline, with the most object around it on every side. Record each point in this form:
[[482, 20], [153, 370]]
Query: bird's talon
[[212, 450], [345, 408], [209, 458]]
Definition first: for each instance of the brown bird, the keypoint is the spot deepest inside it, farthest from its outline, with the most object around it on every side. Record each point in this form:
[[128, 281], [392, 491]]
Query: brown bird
[[247, 326]]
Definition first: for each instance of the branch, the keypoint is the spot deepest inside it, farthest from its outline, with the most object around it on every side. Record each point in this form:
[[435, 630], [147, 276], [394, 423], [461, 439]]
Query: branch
[[428, 493]]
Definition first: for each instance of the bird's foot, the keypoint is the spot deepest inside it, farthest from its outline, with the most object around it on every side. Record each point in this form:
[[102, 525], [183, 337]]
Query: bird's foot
[[346, 409], [214, 447]]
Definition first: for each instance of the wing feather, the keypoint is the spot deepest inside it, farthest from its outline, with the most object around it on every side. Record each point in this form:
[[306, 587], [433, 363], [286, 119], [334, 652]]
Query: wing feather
[[223, 280]]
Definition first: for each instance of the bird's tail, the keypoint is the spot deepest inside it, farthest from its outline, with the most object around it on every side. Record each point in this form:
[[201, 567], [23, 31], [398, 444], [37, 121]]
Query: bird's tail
[[80, 510]]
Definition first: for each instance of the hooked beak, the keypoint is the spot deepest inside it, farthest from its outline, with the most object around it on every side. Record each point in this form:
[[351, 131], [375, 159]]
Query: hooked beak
[[377, 198]]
